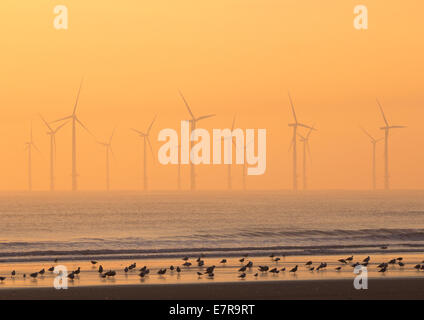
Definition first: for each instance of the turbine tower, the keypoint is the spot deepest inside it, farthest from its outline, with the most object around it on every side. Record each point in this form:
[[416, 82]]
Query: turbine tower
[[29, 145], [306, 150], [75, 120], [146, 141], [52, 133], [295, 125], [193, 122], [374, 149], [108, 146], [387, 129]]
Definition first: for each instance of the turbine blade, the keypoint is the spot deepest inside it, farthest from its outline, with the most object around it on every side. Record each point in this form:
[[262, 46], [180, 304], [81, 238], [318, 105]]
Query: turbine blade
[[234, 122], [310, 131], [150, 127], [46, 123], [309, 151], [205, 117], [306, 126], [397, 127], [366, 132], [292, 107], [186, 104], [61, 119], [86, 129], [111, 151], [111, 136], [382, 112], [59, 127], [139, 132], [76, 102]]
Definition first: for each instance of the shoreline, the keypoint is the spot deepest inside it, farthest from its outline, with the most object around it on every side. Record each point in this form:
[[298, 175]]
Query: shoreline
[[333, 289]]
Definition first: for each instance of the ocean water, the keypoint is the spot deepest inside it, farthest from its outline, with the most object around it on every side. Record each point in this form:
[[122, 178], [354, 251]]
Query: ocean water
[[131, 225]]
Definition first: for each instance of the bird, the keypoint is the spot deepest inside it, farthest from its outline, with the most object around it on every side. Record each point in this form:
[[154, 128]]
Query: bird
[[272, 255], [342, 260], [178, 269], [13, 273], [200, 263], [274, 270], [210, 269], [382, 265], [187, 264], [199, 274], [350, 258], [93, 262], [383, 247], [132, 266], [142, 274], [34, 275], [2, 279], [249, 264], [263, 268], [211, 275], [401, 264], [103, 275], [283, 269], [241, 260], [417, 267], [242, 276], [71, 275], [185, 258], [308, 263], [51, 269], [171, 268], [223, 261], [294, 269], [242, 269], [322, 266], [393, 261], [384, 269], [100, 269], [338, 268], [256, 274], [110, 273], [77, 271], [126, 269], [311, 268], [277, 259], [399, 259], [42, 271], [367, 259], [161, 271]]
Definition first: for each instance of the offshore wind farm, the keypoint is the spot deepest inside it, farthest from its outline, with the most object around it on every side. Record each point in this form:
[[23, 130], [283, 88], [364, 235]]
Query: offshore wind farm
[[225, 149]]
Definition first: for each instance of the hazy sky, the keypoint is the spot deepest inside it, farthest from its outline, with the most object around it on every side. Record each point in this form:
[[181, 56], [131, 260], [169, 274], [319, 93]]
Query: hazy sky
[[227, 56]]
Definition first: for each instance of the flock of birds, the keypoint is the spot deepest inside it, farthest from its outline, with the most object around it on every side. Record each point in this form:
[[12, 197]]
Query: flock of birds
[[209, 271]]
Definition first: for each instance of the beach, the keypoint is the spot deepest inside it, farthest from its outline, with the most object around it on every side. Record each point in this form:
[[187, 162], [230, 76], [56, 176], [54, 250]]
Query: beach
[[389, 288], [193, 282]]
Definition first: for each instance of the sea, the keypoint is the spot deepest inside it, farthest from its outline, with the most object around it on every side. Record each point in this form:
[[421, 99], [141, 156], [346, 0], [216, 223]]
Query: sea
[[43, 226]]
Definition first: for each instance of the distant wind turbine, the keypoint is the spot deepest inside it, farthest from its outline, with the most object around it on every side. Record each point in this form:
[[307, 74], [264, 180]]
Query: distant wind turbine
[[374, 148], [193, 122], [146, 141], [75, 120], [387, 129], [108, 146], [29, 145], [52, 133], [293, 142], [306, 150]]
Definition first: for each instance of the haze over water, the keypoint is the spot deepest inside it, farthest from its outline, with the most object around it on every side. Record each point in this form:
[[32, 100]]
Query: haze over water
[[89, 225]]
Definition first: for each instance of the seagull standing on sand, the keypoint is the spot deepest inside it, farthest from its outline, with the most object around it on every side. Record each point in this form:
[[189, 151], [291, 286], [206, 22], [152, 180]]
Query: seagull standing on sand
[[294, 269]]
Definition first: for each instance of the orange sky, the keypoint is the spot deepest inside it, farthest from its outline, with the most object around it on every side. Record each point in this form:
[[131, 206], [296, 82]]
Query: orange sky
[[227, 56]]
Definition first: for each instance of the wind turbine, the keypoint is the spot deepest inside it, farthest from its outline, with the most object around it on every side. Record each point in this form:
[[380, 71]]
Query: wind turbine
[[293, 142], [374, 148], [52, 133], [29, 145], [387, 129], [193, 122], [75, 120], [108, 146], [146, 140], [306, 149]]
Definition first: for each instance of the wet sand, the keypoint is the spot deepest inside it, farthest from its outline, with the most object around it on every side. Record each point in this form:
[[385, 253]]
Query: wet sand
[[304, 289]]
